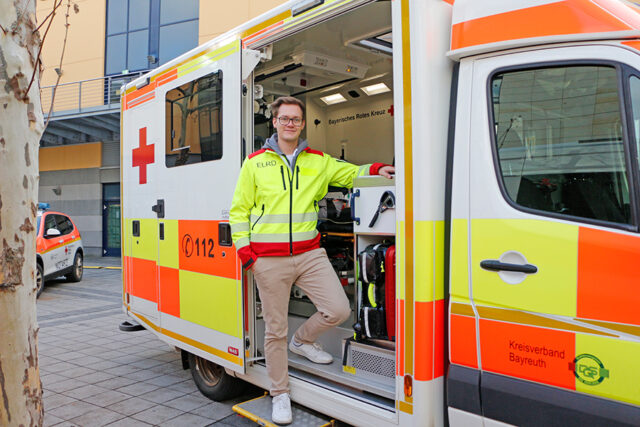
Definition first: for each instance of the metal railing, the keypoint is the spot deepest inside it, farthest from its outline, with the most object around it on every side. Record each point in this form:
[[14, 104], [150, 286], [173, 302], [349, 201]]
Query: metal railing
[[85, 96]]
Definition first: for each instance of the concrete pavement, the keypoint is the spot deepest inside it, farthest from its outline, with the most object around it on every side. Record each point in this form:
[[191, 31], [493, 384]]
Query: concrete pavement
[[94, 375]]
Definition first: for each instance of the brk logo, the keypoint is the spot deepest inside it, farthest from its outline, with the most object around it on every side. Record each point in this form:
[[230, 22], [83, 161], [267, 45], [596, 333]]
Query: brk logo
[[589, 370]]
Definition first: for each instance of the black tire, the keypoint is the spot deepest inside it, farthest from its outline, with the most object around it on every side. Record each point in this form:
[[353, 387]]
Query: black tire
[[39, 279], [78, 269], [213, 381]]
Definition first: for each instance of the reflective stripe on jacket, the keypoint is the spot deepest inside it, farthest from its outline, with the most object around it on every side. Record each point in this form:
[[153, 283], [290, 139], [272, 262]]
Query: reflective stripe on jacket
[[275, 207]]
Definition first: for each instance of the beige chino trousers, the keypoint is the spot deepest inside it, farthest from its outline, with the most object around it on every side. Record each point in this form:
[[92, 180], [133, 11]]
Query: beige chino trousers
[[312, 272]]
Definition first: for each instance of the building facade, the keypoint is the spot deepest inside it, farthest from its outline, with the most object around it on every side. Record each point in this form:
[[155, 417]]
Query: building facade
[[108, 43]]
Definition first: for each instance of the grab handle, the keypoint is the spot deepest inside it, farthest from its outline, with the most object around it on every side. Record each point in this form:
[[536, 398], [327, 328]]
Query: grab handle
[[352, 200]]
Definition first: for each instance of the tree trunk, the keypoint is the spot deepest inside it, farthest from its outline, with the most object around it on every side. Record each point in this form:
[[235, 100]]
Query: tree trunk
[[21, 125]]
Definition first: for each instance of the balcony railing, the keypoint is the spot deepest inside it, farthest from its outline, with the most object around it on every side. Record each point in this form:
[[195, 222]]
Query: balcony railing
[[85, 96]]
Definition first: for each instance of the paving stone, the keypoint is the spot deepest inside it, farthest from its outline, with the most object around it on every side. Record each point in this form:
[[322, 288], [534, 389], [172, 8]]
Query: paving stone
[[84, 392], [214, 411], [51, 420], [73, 409], [62, 386], [128, 422], [191, 420], [137, 389], [143, 375], [96, 377], [131, 406], [165, 380], [121, 370], [77, 371], [186, 387], [107, 398], [157, 414], [161, 395], [116, 383], [55, 400], [188, 403], [97, 418]]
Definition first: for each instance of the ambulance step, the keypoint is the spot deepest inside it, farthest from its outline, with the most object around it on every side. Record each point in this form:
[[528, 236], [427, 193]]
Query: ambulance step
[[259, 411]]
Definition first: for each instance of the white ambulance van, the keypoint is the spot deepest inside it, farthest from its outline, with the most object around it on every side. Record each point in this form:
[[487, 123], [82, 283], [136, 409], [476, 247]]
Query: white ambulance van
[[505, 283]]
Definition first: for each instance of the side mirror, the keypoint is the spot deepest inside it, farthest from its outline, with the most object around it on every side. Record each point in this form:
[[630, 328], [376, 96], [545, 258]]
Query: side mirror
[[52, 232]]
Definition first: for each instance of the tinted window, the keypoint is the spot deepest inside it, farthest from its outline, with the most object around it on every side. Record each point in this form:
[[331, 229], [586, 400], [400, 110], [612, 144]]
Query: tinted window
[[194, 121], [49, 222], [174, 11], [559, 140], [64, 224]]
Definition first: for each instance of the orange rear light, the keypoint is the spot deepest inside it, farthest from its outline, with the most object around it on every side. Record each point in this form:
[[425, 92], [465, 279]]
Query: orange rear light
[[408, 386]]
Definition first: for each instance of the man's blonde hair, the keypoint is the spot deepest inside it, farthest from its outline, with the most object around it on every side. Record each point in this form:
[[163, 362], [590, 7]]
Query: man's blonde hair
[[288, 100]]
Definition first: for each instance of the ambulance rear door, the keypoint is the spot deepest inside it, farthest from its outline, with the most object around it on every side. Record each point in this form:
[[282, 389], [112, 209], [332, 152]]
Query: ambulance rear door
[[553, 240], [200, 279]]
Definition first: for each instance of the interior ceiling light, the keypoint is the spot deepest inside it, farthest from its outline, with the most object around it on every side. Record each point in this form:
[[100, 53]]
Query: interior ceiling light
[[336, 98], [375, 89]]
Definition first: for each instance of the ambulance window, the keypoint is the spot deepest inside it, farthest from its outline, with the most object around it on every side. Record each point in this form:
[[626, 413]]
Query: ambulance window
[[559, 141], [194, 121]]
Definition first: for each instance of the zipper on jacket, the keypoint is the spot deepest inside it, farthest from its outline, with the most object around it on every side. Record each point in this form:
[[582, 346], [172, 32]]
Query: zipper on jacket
[[254, 224], [290, 213], [297, 175], [282, 173]]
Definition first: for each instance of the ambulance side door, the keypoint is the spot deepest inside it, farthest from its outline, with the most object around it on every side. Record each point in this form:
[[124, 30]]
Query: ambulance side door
[[200, 278], [554, 244]]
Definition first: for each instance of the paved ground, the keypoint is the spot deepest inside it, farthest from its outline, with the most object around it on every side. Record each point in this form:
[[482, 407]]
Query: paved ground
[[94, 375]]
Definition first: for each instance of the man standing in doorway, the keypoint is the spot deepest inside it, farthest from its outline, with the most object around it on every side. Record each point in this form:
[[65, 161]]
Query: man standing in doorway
[[273, 222]]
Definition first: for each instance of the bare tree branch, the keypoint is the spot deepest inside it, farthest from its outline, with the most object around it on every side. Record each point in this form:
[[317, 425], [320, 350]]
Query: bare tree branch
[[50, 15], [59, 69], [38, 61]]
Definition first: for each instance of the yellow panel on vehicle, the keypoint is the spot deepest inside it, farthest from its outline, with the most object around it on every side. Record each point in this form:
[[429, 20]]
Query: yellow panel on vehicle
[[168, 248], [126, 233], [429, 250], [400, 253], [549, 245], [210, 301], [460, 260], [146, 245], [608, 367]]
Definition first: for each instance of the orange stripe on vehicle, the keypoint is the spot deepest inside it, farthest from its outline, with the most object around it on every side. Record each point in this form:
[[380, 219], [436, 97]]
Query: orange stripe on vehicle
[[561, 18], [219, 353], [463, 344], [264, 33], [59, 245], [634, 44], [400, 337], [429, 340], [527, 352], [200, 252], [167, 77], [449, 1], [143, 279], [169, 291], [608, 276]]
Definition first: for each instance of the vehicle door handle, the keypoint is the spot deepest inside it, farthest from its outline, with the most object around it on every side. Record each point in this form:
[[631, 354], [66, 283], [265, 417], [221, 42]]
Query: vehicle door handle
[[60, 241], [497, 265]]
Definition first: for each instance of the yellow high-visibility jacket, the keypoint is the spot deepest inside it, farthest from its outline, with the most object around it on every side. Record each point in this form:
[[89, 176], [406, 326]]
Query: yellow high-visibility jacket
[[275, 206]]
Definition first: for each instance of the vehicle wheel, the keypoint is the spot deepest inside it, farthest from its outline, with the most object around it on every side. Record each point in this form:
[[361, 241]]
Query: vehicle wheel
[[213, 381], [39, 279], [76, 273]]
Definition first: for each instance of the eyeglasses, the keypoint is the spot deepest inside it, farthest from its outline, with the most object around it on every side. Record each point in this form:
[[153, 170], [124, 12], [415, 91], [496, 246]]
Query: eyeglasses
[[284, 120]]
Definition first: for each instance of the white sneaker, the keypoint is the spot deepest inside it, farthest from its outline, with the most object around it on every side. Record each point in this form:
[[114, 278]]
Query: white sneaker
[[312, 352], [281, 409]]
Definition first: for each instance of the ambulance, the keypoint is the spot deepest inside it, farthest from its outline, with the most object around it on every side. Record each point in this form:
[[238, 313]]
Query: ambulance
[[513, 296]]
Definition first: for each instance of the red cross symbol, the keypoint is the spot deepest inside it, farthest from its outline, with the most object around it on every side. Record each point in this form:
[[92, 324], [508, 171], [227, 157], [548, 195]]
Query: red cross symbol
[[143, 155], [390, 110]]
